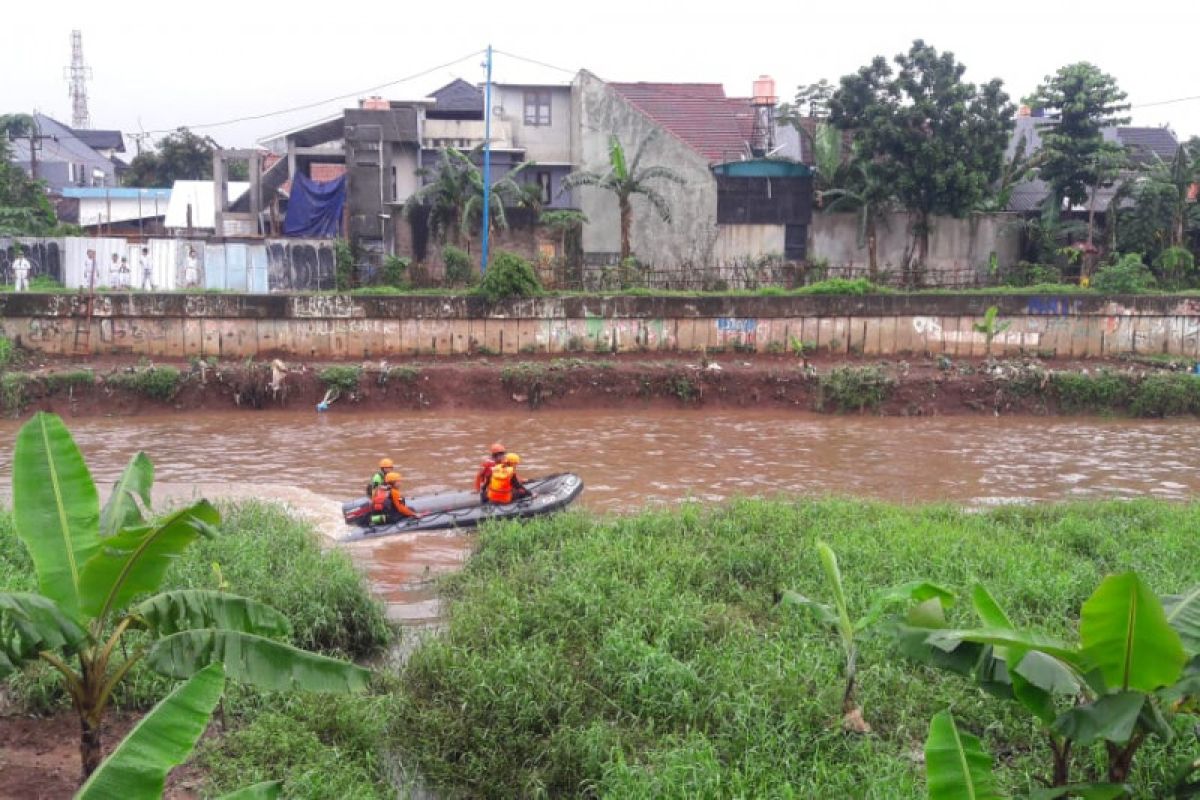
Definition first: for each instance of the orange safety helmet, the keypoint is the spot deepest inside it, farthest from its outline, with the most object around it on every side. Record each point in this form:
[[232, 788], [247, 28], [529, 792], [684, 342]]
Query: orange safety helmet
[[512, 459], [386, 463], [391, 477], [497, 449]]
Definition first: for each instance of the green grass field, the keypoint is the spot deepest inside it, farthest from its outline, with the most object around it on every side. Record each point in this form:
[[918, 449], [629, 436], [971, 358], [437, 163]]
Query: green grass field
[[646, 656]]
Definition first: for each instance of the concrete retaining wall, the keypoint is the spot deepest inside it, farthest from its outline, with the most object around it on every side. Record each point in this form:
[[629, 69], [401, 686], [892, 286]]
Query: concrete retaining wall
[[336, 326]]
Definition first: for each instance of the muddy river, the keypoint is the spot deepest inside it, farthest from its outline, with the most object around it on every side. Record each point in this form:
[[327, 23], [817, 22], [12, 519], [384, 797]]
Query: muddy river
[[632, 459]]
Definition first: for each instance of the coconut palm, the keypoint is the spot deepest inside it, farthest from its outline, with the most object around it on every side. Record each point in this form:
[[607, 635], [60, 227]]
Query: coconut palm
[[625, 179], [453, 200]]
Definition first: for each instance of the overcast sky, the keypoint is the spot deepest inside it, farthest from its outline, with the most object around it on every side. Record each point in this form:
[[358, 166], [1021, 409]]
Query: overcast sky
[[161, 65]]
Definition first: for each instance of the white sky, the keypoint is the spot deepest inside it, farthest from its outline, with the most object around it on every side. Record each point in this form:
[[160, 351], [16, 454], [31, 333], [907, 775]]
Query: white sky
[[161, 65]]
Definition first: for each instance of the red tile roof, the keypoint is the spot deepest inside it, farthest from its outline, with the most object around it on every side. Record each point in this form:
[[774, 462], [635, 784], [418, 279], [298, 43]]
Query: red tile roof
[[699, 114], [326, 172]]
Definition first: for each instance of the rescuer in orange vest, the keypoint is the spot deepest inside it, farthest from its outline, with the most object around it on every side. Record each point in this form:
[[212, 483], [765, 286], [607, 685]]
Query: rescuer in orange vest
[[378, 479], [485, 470], [387, 506], [504, 485]]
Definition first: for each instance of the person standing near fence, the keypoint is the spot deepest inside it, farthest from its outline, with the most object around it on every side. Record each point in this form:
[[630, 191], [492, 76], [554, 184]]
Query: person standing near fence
[[191, 271], [89, 269], [147, 270], [114, 272], [21, 269]]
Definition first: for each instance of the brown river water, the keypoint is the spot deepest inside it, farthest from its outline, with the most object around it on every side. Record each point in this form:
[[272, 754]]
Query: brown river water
[[630, 459]]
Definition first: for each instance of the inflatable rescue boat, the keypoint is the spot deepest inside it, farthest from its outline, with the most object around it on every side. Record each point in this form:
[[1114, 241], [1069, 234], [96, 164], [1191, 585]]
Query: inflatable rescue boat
[[464, 509]]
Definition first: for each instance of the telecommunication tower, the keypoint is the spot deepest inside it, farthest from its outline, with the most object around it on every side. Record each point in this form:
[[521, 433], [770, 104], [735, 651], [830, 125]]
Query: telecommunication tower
[[78, 74]]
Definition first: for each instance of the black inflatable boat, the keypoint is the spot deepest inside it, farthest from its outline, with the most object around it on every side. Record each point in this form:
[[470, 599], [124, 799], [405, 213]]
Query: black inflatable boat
[[463, 509]]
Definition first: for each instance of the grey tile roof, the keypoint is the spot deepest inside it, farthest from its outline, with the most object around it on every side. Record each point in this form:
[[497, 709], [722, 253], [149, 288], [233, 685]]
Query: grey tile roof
[[458, 96], [101, 140]]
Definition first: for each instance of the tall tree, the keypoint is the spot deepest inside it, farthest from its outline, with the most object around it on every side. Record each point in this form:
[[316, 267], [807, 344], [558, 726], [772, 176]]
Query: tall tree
[[814, 98], [181, 155], [1162, 215], [1081, 102], [938, 140], [625, 179]]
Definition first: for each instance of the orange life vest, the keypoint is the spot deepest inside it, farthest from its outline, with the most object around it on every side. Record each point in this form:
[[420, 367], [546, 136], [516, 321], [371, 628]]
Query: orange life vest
[[500, 487], [484, 476], [379, 501]]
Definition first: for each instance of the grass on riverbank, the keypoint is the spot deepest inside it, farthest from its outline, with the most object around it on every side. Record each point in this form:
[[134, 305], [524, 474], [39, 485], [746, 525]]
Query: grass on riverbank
[[646, 656], [320, 745]]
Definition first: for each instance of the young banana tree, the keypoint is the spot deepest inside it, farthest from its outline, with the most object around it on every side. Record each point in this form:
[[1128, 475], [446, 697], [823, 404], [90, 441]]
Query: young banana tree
[[1135, 665], [161, 741], [91, 564], [838, 618]]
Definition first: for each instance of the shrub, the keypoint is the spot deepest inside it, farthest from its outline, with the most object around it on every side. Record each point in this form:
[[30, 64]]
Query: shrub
[[1166, 395], [458, 265], [1026, 274], [857, 286], [1104, 390], [395, 272], [343, 265], [1127, 276], [1174, 266], [509, 276], [58, 381], [158, 383], [855, 388], [12, 391], [8, 352], [343, 378]]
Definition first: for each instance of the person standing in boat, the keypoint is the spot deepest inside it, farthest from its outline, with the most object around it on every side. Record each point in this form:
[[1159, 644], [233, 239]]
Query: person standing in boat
[[485, 470], [505, 486], [387, 505], [379, 478]]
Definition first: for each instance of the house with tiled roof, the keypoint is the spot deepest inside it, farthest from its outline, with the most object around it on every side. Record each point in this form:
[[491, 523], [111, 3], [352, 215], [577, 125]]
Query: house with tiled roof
[[1143, 146], [744, 196]]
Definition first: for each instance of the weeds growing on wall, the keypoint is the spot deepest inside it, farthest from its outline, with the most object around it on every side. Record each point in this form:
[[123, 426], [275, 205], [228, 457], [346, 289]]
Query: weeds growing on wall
[[12, 391], [854, 388], [8, 352], [65, 381]]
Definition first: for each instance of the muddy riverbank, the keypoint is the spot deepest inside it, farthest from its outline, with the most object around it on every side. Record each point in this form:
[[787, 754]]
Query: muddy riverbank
[[919, 386]]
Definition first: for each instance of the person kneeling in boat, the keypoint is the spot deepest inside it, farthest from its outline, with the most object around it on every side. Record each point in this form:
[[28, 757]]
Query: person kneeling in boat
[[387, 506], [505, 486], [379, 478], [484, 477]]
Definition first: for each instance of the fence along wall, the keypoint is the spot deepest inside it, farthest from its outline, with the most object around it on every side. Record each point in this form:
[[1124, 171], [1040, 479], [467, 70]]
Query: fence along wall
[[342, 327], [258, 266]]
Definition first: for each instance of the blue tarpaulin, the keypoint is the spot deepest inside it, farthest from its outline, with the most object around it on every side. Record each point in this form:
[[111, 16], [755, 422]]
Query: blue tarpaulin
[[315, 209]]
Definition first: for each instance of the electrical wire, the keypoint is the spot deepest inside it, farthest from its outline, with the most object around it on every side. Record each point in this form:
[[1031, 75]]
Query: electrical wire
[[1166, 102], [534, 61], [306, 106]]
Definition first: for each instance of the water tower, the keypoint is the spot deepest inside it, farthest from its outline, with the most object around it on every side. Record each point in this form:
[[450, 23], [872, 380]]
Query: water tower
[[762, 135]]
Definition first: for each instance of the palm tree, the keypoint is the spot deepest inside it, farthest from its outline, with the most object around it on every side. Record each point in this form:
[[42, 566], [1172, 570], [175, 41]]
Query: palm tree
[[453, 200], [1179, 175], [625, 179], [868, 194]]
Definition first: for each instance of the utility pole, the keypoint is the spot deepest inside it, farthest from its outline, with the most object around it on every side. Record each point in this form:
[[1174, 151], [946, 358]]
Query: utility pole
[[35, 141], [487, 161]]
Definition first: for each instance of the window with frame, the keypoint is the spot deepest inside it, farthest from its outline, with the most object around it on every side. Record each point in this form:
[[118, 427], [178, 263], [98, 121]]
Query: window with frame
[[537, 107]]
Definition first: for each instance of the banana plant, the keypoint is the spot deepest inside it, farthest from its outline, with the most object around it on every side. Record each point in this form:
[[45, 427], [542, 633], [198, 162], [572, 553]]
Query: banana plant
[[838, 618], [1135, 665], [957, 766], [989, 327], [91, 564], [161, 741]]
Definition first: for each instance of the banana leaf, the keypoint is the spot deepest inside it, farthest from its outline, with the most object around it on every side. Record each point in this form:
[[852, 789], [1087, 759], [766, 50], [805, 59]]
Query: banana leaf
[[122, 510], [137, 769], [252, 659], [1183, 614], [188, 609], [29, 624], [1125, 635], [133, 561], [55, 507], [956, 765]]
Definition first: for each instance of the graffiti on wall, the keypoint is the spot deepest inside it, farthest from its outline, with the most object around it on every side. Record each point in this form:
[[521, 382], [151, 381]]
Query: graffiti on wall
[[300, 265], [45, 257]]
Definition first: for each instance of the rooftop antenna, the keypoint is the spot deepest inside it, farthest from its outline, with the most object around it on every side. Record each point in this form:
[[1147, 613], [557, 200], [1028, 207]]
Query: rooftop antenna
[[78, 74]]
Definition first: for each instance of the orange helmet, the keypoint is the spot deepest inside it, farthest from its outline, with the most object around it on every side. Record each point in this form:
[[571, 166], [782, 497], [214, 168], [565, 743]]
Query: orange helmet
[[391, 477], [497, 449], [386, 463], [512, 459]]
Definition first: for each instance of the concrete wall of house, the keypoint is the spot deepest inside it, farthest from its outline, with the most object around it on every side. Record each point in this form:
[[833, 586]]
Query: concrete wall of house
[[689, 238], [747, 241], [956, 246], [340, 326], [543, 143]]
